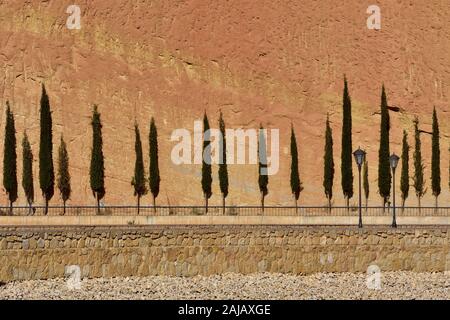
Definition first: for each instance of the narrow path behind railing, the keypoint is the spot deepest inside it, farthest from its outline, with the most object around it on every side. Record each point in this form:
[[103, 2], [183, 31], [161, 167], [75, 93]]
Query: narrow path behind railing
[[229, 211]]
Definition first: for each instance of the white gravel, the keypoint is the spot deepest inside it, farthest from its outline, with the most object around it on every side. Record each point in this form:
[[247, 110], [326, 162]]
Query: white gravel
[[394, 285]]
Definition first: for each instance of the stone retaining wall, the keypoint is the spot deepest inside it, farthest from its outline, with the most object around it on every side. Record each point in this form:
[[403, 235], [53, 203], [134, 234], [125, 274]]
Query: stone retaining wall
[[44, 252]]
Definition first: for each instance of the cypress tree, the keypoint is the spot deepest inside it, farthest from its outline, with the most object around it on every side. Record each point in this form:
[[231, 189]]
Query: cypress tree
[[27, 172], [10, 159], [46, 171], [63, 173], [419, 185], [435, 159], [154, 178], [223, 169], [404, 179], [138, 180], [384, 169], [328, 167], [296, 185], [206, 163], [366, 180], [346, 150], [263, 178], [97, 169]]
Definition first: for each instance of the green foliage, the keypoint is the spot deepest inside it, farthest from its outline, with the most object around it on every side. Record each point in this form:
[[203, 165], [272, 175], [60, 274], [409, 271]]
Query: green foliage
[[46, 170], [10, 157], [138, 180], [328, 168], [97, 169], [223, 169], [63, 172], [296, 185], [154, 178], [435, 158], [366, 186], [404, 179], [384, 169], [27, 170], [419, 167], [346, 150], [263, 178], [206, 160]]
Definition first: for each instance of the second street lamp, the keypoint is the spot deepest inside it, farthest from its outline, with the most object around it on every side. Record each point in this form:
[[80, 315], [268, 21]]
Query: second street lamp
[[359, 158], [393, 159]]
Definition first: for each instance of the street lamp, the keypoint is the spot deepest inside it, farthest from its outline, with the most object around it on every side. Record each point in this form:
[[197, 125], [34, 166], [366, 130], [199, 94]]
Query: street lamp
[[359, 158], [393, 159]]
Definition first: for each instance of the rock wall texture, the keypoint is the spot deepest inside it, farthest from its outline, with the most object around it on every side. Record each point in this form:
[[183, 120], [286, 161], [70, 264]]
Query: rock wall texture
[[41, 253], [268, 62]]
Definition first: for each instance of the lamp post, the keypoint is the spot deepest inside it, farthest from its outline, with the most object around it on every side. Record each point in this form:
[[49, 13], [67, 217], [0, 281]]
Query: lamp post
[[393, 159], [359, 158]]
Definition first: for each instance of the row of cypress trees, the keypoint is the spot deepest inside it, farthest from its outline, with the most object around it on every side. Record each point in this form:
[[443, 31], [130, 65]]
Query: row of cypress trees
[[384, 169], [263, 178], [140, 181], [46, 169]]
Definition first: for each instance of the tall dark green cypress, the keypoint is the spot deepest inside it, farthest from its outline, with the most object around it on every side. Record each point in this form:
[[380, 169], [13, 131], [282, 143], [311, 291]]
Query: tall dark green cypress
[[384, 169], [27, 172], [206, 163], [296, 185], [63, 173], [328, 163], [435, 160], [366, 185], [46, 170], [223, 169], [138, 181], [97, 168], [263, 178], [10, 159], [346, 150], [154, 178], [419, 184], [404, 179]]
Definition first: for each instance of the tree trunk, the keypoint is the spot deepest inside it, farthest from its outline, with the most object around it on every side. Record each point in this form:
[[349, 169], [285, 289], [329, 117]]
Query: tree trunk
[[329, 205], [138, 203], [64, 207], [262, 202], [46, 206], [296, 207], [10, 208], [403, 204], [367, 201], [98, 204], [223, 204], [30, 208], [419, 204], [436, 203], [154, 203], [347, 202], [206, 204]]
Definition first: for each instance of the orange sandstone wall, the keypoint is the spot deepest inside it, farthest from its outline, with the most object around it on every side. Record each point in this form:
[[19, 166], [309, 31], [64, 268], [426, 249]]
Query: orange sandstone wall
[[269, 62]]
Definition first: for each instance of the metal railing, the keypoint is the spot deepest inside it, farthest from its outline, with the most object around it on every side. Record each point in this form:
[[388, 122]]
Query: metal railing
[[229, 211]]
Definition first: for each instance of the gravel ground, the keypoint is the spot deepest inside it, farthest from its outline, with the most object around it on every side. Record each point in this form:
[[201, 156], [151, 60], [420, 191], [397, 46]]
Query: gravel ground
[[394, 285]]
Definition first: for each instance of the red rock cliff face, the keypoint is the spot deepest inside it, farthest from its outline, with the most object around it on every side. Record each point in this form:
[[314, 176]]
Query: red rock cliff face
[[268, 62]]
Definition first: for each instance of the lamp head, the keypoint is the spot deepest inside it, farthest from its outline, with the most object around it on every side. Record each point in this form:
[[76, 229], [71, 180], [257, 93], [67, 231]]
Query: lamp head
[[359, 156], [393, 159]]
